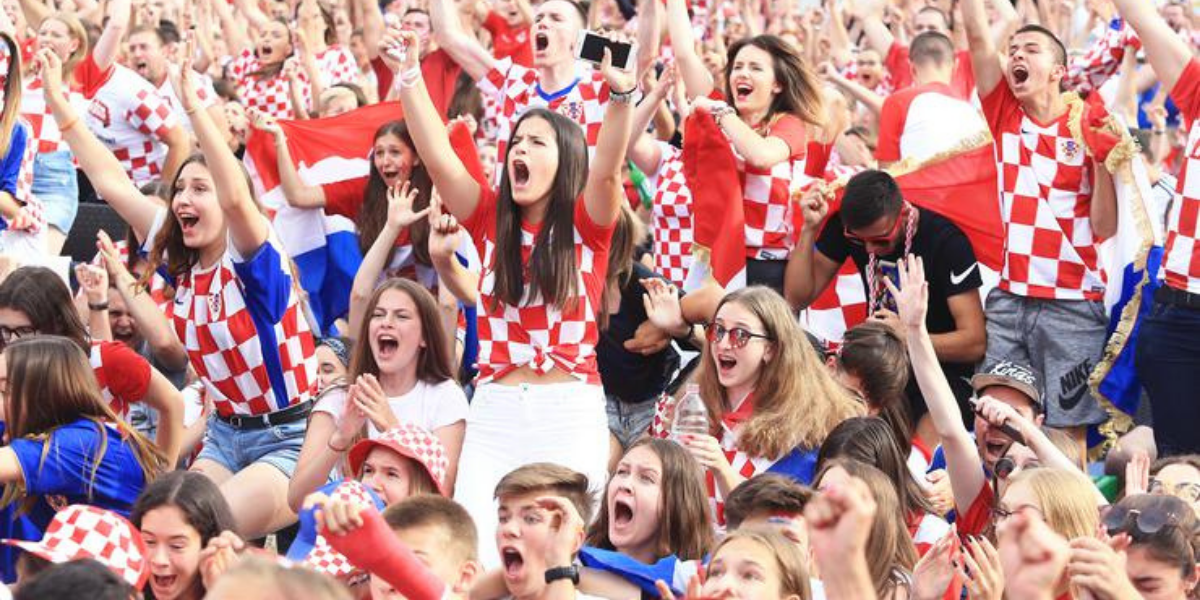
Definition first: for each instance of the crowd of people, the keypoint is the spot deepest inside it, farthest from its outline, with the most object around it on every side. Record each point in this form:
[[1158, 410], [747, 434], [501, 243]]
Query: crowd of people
[[777, 299]]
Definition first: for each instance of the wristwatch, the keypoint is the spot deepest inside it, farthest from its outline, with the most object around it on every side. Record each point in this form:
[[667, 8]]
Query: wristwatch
[[570, 572]]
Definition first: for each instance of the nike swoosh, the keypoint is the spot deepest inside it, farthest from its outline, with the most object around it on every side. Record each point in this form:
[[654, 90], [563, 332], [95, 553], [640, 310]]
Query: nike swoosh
[[957, 278], [1070, 399]]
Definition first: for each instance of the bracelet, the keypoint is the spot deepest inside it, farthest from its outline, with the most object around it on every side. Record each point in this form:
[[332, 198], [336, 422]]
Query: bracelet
[[1158, 131], [625, 97], [335, 448], [70, 123], [191, 111], [410, 77], [98, 307]]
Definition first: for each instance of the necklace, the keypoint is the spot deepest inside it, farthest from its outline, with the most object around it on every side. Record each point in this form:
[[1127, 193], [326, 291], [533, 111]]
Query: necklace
[[875, 287]]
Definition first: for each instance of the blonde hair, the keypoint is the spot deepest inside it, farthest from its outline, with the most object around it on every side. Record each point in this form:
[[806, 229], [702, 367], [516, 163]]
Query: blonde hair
[[796, 401], [793, 574], [1067, 499], [78, 33]]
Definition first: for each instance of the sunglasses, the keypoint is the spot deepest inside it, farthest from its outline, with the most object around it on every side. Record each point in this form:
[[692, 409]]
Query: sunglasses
[[738, 336], [1184, 490], [887, 238], [1119, 519]]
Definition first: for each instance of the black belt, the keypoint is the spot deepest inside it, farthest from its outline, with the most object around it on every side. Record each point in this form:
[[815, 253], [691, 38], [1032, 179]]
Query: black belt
[[1176, 297], [291, 414]]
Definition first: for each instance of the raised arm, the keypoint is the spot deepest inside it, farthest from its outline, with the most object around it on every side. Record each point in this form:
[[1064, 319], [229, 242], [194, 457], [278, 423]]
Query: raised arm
[[102, 168], [295, 191], [168, 402], [869, 13], [641, 148], [456, 41], [151, 322], [984, 59], [372, 25], [35, 11], [400, 216], [444, 241], [1167, 53], [108, 45], [247, 226], [760, 152], [873, 101], [460, 192], [237, 39], [697, 80], [962, 458], [603, 192], [251, 13], [808, 271], [649, 34]]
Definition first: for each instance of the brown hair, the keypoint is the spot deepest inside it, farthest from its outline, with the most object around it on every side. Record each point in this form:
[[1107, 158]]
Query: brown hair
[[269, 578], [628, 232], [684, 524], [548, 478], [372, 215], [433, 361], [889, 547], [767, 492], [796, 401], [1067, 499], [877, 356], [269, 71], [43, 297], [1177, 543], [793, 574], [459, 535], [77, 32], [51, 385], [12, 92], [801, 94], [868, 440], [1191, 460]]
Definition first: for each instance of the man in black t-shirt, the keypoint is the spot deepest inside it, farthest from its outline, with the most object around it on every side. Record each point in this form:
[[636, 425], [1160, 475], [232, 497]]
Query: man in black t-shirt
[[876, 227]]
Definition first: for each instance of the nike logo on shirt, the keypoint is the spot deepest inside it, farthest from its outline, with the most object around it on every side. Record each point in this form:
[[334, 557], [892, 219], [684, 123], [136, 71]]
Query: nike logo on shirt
[[957, 278]]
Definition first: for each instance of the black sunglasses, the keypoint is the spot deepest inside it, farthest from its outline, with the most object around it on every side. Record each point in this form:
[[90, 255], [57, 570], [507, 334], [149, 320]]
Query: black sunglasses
[[1119, 519], [738, 336]]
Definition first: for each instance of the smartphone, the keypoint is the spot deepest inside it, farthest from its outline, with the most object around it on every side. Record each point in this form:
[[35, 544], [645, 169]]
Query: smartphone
[[890, 271], [591, 45]]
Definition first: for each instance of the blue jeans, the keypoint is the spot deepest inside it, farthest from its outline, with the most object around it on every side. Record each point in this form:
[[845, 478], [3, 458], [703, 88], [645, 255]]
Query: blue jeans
[[628, 421], [235, 449], [56, 184], [1168, 362]]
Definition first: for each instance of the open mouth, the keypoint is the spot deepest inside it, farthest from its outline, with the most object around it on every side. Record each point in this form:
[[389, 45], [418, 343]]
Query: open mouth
[[389, 175], [622, 512], [513, 562], [540, 42], [725, 363], [264, 52], [1020, 74], [388, 345], [742, 91], [519, 172], [140, 66], [163, 582], [995, 447], [187, 221]]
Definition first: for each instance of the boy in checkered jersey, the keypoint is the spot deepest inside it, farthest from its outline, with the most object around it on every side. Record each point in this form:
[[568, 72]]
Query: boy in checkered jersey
[[1057, 204], [1168, 349]]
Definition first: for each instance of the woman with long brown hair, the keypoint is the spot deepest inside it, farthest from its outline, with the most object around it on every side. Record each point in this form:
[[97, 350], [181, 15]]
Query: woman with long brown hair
[[22, 220]]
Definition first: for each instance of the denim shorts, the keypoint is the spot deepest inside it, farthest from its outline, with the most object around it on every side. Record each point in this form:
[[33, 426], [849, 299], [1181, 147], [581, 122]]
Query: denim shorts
[[236, 449], [629, 421], [56, 184]]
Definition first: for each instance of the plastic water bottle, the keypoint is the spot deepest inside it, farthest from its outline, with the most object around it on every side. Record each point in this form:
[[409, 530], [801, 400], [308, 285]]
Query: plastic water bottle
[[691, 416]]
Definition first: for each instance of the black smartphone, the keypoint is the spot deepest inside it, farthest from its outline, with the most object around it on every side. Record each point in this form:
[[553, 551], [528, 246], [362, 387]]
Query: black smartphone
[[591, 45]]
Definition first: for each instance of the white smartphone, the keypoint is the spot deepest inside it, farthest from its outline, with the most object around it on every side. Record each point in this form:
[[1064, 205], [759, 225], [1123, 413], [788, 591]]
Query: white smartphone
[[590, 47]]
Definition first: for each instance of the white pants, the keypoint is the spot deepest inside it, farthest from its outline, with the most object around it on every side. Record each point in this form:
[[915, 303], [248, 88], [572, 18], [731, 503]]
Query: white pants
[[512, 426]]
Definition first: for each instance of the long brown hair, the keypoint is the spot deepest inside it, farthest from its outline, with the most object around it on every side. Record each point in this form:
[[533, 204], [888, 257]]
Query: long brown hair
[[50, 385], [684, 522], [11, 91], [869, 441], [373, 214], [552, 267], [625, 238], [877, 356], [433, 361], [801, 91], [890, 548], [796, 401]]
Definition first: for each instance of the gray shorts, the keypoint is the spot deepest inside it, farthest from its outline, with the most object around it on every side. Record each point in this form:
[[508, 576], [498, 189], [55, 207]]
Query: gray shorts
[[627, 421], [1061, 340]]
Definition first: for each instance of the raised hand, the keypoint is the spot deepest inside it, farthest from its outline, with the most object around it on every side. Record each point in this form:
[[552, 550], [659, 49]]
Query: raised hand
[[444, 230], [814, 205], [49, 66], [373, 402], [265, 123], [619, 80], [94, 281], [220, 554], [350, 425], [839, 520], [935, 571], [400, 206], [1032, 556], [1137, 473], [912, 299], [981, 570], [566, 530], [183, 77], [1098, 567], [337, 516]]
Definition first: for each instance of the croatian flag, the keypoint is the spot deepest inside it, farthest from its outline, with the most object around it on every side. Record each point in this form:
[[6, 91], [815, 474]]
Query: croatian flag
[[324, 247], [710, 170]]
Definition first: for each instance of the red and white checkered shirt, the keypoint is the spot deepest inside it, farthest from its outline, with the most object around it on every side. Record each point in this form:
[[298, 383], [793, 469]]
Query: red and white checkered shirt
[[537, 334], [336, 65], [123, 375], [767, 198], [35, 110], [1090, 70], [1045, 201], [245, 334], [1181, 264], [516, 89], [672, 211], [269, 95], [131, 119], [204, 91], [840, 307]]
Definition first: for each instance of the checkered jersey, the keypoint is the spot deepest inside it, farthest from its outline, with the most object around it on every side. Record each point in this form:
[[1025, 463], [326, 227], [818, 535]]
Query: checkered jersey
[[241, 323], [672, 210], [926, 529], [79, 531], [123, 375], [129, 116], [767, 193], [336, 65], [1045, 199], [841, 306], [37, 113], [204, 91], [516, 89], [269, 95], [32, 206], [1181, 263], [537, 334], [1101, 60]]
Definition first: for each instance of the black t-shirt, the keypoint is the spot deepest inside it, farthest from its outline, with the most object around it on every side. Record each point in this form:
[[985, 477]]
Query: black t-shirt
[[629, 376], [950, 268]]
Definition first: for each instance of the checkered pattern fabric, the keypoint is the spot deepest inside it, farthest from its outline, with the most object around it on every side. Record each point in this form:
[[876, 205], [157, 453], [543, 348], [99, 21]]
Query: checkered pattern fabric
[[1090, 70], [516, 89], [885, 86], [30, 203], [336, 65], [489, 128], [129, 116], [536, 334], [323, 558], [839, 308], [204, 91], [926, 531], [411, 440], [36, 112], [672, 225], [1181, 264], [767, 204], [80, 531], [252, 348], [269, 95], [1046, 194]]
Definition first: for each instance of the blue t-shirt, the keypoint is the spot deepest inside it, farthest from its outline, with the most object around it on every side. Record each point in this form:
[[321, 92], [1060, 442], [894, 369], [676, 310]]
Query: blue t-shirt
[[10, 163]]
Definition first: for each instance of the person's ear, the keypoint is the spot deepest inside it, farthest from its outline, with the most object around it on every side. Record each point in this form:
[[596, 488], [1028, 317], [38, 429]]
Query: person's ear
[[468, 573]]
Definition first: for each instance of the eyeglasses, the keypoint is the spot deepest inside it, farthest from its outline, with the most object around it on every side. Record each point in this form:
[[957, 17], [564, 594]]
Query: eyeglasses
[[8, 334], [738, 336], [1184, 490], [887, 238], [1000, 513], [1119, 519]]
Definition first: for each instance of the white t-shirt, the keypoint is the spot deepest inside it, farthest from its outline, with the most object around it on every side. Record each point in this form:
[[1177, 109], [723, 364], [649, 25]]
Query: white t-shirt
[[430, 406]]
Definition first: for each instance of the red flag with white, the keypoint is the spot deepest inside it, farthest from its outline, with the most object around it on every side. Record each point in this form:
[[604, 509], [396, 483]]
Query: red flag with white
[[710, 170]]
